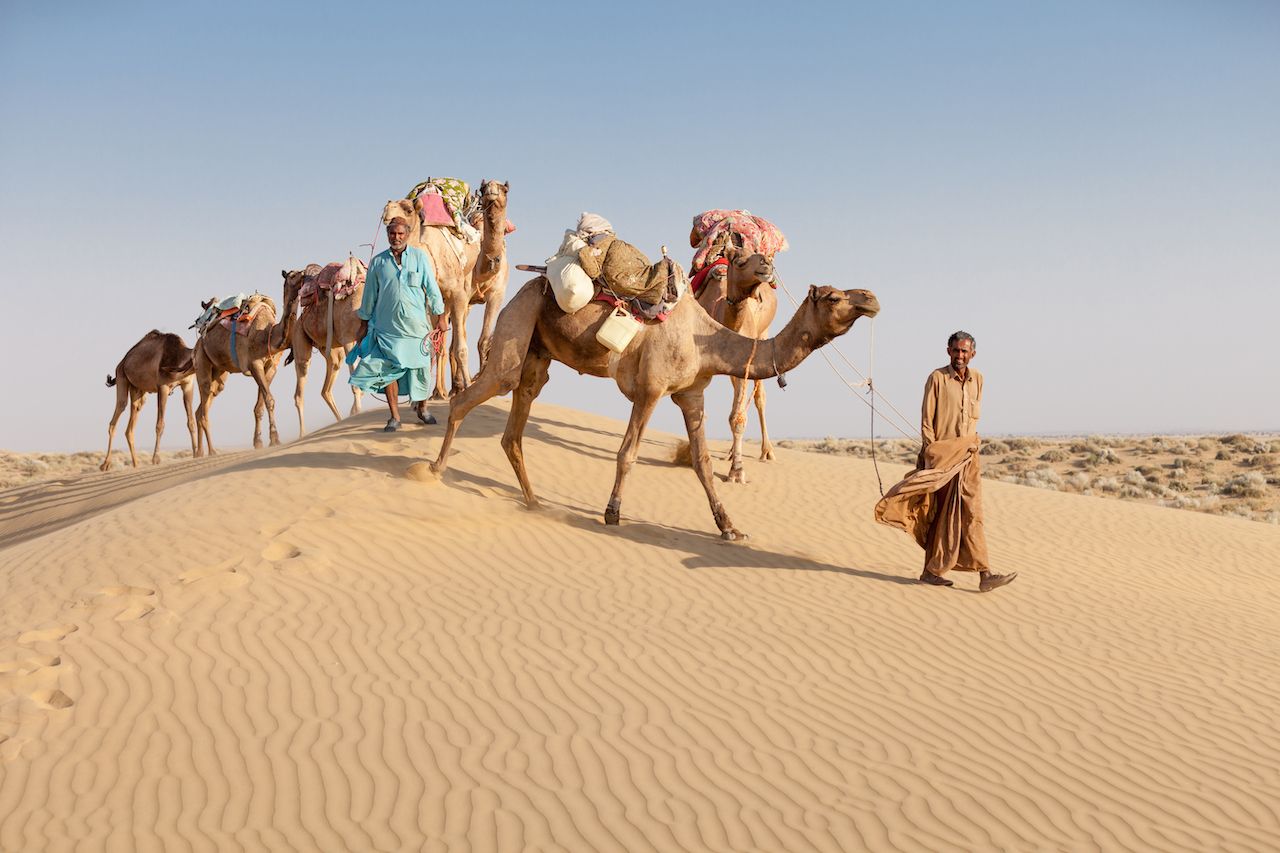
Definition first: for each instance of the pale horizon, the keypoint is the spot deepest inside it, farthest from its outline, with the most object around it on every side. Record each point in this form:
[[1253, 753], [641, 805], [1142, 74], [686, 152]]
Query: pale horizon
[[1090, 191]]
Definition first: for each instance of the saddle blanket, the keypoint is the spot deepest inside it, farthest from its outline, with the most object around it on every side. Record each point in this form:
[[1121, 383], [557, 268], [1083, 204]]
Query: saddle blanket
[[342, 278]]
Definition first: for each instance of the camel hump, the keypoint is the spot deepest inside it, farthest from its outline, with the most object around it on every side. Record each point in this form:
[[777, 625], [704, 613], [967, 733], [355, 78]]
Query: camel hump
[[175, 356]]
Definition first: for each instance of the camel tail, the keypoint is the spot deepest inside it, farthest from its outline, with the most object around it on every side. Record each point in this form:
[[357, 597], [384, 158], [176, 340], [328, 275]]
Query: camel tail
[[111, 381]]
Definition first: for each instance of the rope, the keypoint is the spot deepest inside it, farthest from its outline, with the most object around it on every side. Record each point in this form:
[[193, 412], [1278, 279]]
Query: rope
[[866, 380]]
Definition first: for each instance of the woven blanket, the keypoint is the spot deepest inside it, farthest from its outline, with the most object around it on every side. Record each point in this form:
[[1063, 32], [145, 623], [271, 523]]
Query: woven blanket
[[715, 228]]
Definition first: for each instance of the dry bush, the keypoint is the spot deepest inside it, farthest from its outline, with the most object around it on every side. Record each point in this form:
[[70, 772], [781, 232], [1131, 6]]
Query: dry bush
[[1223, 456], [1077, 481], [1107, 484], [1024, 443], [1101, 456], [993, 448], [1250, 485], [1055, 454]]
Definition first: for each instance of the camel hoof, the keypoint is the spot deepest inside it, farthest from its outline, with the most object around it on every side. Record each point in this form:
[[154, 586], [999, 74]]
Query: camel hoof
[[612, 515], [533, 505], [733, 535], [737, 475], [105, 466], [275, 439], [155, 460], [257, 444], [766, 455]]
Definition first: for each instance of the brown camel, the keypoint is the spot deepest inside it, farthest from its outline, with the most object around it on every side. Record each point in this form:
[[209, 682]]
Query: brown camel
[[490, 273], [333, 338], [454, 278], [156, 365], [736, 295], [677, 357], [257, 354]]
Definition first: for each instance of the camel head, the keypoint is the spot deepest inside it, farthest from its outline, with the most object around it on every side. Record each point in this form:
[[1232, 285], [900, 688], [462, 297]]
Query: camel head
[[493, 193], [405, 207], [747, 271], [293, 281], [830, 312]]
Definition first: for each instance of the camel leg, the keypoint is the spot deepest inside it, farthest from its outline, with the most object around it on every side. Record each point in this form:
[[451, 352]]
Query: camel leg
[[332, 364], [691, 404], [301, 364], [766, 446], [356, 393], [187, 392], [136, 399], [441, 363], [737, 426], [458, 346], [122, 400], [211, 382], [641, 411], [511, 339], [533, 376], [263, 376], [162, 397], [492, 306]]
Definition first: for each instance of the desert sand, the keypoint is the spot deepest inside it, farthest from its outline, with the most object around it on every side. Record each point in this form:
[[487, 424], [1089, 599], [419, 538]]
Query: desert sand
[[305, 648]]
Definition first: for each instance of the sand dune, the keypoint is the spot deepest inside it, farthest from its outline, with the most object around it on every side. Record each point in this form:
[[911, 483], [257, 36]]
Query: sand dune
[[304, 649]]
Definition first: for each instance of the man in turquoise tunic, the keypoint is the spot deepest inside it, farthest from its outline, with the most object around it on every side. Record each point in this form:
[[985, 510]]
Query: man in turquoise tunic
[[400, 293]]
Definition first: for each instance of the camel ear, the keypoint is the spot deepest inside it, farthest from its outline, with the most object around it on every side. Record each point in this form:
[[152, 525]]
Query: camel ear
[[813, 293], [284, 274], [506, 185]]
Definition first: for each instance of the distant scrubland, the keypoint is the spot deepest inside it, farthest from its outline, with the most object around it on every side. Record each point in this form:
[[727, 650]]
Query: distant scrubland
[[1234, 475]]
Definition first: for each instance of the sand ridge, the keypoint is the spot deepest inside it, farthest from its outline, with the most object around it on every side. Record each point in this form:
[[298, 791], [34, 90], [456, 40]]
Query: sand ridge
[[306, 649]]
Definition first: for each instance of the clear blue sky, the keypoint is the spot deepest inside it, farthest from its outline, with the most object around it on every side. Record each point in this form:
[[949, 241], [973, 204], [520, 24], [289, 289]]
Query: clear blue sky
[[1090, 188]]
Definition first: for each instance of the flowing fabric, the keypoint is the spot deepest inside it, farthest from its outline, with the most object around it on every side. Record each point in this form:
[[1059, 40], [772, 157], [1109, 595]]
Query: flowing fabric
[[395, 302], [940, 506]]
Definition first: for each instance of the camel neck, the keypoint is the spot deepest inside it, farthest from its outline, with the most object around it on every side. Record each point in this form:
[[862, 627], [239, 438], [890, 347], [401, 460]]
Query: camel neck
[[733, 354]]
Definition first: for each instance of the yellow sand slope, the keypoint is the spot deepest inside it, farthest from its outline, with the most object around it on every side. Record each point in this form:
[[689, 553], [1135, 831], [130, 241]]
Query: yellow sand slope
[[304, 649]]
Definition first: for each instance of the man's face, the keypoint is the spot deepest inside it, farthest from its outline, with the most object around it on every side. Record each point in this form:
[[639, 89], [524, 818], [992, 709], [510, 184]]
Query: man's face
[[961, 352], [397, 236]]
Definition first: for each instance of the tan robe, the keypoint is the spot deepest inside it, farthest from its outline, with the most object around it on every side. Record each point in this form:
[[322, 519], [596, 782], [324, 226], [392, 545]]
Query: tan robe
[[940, 506]]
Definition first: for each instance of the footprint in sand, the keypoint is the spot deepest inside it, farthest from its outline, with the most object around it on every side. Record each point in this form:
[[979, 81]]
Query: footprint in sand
[[271, 531], [53, 699], [46, 635], [218, 576], [114, 591], [278, 551], [28, 665]]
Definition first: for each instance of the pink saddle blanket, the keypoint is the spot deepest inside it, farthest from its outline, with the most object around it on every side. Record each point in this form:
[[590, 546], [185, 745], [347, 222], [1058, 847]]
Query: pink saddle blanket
[[433, 210]]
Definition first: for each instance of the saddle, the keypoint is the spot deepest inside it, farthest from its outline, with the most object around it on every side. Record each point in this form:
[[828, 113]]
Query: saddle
[[342, 278]]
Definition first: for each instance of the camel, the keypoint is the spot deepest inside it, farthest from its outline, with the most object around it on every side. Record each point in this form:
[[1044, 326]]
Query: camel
[[257, 354], [675, 358], [156, 364], [454, 278], [489, 276], [329, 325], [733, 294]]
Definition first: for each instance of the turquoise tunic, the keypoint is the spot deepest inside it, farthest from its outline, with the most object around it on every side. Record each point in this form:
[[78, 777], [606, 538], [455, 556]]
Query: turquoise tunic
[[395, 302]]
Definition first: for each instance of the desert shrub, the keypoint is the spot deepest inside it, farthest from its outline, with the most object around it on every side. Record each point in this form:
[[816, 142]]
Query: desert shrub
[[1107, 484], [1129, 490], [1179, 486], [1250, 485], [1055, 454], [993, 448], [1101, 456], [1235, 439], [1223, 456], [1078, 481], [1135, 478], [1023, 443], [1044, 478]]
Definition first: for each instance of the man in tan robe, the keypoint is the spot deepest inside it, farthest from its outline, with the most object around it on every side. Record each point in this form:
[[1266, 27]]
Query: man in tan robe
[[940, 503]]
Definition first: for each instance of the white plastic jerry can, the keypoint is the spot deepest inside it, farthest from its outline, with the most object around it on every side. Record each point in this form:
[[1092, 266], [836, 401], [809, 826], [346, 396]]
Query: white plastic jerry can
[[618, 329]]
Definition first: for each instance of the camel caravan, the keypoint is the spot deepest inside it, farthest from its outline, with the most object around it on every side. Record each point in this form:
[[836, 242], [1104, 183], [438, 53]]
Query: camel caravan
[[598, 305]]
